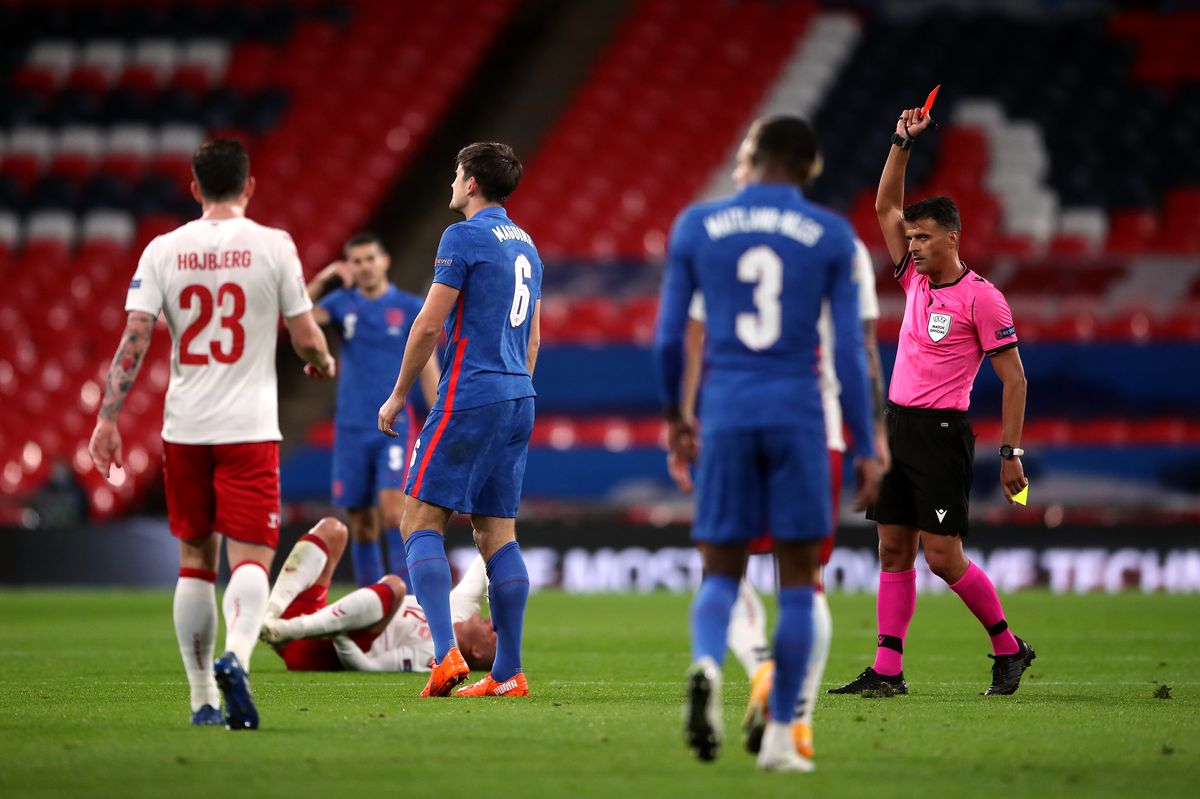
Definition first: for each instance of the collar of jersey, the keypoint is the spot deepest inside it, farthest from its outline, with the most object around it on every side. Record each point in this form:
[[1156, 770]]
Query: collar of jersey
[[491, 210], [955, 282], [783, 190]]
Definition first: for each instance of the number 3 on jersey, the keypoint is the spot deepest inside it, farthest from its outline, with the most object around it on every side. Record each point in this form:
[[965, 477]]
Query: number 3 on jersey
[[763, 267], [522, 271], [231, 320]]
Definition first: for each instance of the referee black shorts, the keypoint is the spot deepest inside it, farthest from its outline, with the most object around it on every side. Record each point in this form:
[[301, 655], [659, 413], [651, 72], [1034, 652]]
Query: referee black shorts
[[933, 465]]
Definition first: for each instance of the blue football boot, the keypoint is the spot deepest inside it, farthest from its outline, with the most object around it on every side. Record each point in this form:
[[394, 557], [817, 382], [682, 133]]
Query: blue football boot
[[240, 713], [207, 716]]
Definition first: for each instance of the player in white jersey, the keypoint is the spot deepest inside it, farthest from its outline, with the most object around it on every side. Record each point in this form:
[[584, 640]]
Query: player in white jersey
[[221, 283], [747, 624], [379, 627]]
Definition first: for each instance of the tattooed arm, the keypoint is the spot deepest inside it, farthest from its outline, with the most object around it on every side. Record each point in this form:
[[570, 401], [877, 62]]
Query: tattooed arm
[[105, 446]]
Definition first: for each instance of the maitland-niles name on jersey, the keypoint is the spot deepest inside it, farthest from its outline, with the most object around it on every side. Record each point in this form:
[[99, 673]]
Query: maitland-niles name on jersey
[[208, 261]]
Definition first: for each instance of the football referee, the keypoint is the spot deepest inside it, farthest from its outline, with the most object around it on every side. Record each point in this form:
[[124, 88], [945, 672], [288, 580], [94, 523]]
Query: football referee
[[953, 317]]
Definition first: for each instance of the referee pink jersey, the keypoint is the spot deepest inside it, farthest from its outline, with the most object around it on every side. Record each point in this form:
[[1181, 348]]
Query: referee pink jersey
[[947, 330]]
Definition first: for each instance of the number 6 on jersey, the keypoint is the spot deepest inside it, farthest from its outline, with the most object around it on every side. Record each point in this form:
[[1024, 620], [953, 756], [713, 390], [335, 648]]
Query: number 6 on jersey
[[522, 271]]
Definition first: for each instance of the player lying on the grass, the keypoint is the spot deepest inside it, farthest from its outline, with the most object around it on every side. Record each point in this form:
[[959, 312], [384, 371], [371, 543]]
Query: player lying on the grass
[[377, 628], [953, 317]]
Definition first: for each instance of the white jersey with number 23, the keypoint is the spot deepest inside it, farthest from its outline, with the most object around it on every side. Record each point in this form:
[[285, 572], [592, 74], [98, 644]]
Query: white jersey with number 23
[[221, 285]]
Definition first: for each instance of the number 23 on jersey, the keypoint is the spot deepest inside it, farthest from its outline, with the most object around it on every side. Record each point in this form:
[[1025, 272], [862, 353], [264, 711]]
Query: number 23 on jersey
[[230, 301]]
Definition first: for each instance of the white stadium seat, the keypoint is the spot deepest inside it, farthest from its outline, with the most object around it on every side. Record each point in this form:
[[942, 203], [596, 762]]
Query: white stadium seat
[[34, 141], [211, 55], [136, 140], [10, 229], [51, 226], [107, 56], [180, 139], [158, 55], [81, 139], [56, 56], [109, 225]]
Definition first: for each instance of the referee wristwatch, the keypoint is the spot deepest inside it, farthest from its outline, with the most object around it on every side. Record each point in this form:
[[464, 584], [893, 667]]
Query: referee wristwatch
[[1007, 452], [901, 142]]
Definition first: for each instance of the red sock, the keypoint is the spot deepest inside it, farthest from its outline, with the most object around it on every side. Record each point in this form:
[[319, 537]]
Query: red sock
[[978, 594], [894, 607]]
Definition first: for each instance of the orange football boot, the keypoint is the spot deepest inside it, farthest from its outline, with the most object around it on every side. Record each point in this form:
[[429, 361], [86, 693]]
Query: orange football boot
[[757, 712], [447, 674], [517, 685], [802, 734]]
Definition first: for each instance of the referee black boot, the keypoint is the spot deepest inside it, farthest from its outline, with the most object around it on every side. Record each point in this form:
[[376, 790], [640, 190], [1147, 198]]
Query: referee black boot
[[1007, 670], [871, 680]]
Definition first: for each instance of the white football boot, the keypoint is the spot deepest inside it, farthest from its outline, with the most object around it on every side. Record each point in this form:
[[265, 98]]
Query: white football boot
[[778, 750]]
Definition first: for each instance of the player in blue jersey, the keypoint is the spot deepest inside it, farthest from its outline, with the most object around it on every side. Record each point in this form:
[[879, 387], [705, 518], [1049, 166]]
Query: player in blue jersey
[[764, 260], [374, 318], [470, 455]]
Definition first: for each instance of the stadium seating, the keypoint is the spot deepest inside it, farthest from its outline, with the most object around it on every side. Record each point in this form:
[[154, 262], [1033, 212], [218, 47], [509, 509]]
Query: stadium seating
[[669, 96], [101, 108]]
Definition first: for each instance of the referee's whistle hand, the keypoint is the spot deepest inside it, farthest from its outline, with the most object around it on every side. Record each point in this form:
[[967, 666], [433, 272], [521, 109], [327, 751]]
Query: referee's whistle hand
[[867, 474], [1012, 477]]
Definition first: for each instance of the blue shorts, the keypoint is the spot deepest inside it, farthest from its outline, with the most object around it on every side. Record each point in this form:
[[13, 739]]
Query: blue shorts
[[364, 462], [473, 461], [749, 482]]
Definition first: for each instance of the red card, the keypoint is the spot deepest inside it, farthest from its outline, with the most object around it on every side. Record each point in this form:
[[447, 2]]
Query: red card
[[925, 109]]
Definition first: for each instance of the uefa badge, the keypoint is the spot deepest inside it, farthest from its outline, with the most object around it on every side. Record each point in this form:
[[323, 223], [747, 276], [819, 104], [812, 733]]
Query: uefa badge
[[939, 326]]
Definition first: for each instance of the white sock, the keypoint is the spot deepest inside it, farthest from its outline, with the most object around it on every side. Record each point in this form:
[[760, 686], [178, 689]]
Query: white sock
[[244, 606], [301, 569], [822, 637], [357, 610], [748, 629], [195, 612], [467, 597]]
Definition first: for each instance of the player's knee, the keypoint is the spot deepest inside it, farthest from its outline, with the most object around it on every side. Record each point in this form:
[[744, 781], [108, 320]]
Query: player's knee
[[399, 589], [895, 557], [332, 531], [948, 566]]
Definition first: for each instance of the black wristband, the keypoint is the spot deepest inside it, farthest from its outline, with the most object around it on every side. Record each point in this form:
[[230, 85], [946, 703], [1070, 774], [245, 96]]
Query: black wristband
[[901, 142]]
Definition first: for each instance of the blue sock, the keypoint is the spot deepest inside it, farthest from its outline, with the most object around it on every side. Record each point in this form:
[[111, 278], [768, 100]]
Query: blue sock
[[793, 643], [368, 563], [710, 616], [430, 574], [397, 557], [508, 590]]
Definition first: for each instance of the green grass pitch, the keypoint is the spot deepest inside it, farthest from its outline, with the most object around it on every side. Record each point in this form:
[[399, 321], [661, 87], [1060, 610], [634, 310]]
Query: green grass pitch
[[93, 703]]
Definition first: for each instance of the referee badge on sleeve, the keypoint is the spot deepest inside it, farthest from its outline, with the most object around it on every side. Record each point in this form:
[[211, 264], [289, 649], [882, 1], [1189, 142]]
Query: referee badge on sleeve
[[939, 325]]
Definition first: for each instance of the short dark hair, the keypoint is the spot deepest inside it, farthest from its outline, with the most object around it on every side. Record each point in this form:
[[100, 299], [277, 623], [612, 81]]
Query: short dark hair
[[941, 210], [787, 142], [494, 166], [361, 239], [221, 167]]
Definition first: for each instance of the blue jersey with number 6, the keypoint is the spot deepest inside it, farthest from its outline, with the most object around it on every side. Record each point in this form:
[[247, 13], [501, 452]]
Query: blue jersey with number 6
[[498, 273]]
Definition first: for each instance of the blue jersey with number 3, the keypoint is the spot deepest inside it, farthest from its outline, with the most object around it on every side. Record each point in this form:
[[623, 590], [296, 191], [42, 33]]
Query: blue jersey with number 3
[[498, 273], [374, 333], [764, 260]]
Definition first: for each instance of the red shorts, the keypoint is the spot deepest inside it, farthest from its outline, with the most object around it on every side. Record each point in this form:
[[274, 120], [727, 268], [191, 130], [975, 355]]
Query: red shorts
[[316, 654], [224, 488], [765, 543]]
